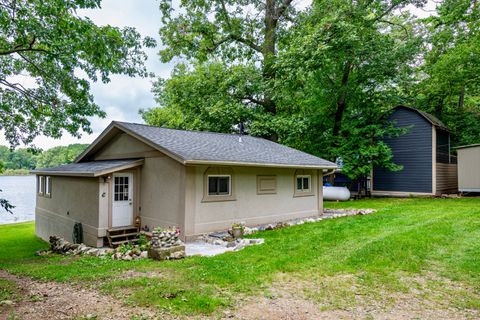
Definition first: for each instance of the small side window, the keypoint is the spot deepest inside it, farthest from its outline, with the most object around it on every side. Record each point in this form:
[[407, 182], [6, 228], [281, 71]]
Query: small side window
[[303, 185], [41, 185], [219, 185], [48, 186]]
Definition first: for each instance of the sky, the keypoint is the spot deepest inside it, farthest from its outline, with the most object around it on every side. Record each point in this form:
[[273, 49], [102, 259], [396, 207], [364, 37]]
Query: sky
[[123, 97]]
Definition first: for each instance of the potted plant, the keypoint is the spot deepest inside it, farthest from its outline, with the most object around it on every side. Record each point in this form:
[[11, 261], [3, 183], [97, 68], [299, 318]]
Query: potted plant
[[237, 230]]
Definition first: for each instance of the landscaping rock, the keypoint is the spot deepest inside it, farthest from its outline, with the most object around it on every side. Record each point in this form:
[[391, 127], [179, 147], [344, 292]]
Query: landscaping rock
[[43, 252], [230, 244], [127, 257], [61, 246], [165, 245], [175, 252]]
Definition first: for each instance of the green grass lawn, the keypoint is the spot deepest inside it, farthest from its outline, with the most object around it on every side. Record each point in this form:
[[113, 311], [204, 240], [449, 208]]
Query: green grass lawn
[[406, 238]]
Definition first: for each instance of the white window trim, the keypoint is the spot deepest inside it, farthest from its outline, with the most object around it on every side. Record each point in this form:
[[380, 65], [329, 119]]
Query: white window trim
[[41, 185], [309, 182], [303, 192], [229, 194], [48, 186]]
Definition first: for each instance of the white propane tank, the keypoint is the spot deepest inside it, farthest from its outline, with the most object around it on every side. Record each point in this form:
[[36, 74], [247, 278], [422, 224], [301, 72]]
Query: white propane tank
[[336, 193]]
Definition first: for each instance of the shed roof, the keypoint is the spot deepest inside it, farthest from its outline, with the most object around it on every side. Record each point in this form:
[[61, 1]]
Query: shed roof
[[469, 146], [90, 169], [201, 147], [429, 117]]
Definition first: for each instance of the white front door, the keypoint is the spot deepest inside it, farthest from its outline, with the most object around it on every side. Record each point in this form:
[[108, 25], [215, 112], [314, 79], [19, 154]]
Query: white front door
[[122, 200]]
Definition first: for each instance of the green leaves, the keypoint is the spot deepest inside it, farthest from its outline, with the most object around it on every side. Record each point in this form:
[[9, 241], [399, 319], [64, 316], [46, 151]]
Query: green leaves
[[208, 97], [335, 70], [449, 82], [48, 55]]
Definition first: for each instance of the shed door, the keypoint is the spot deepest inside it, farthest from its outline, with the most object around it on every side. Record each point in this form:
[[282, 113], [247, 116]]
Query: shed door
[[122, 201]]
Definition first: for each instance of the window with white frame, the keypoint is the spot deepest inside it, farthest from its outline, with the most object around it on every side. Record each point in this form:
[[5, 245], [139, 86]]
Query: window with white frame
[[48, 186], [44, 186], [303, 183], [219, 185], [41, 185]]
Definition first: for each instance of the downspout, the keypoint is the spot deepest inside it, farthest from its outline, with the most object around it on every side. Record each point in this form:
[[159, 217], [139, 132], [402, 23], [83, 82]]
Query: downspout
[[329, 172]]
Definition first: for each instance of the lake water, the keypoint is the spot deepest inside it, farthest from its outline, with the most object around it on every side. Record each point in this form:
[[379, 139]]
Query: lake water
[[20, 191]]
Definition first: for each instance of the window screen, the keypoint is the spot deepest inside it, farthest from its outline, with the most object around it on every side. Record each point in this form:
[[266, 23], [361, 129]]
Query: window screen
[[303, 183], [41, 185], [219, 185], [48, 185]]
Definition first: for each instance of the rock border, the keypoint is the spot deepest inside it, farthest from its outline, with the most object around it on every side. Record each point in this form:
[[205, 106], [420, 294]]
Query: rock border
[[225, 239]]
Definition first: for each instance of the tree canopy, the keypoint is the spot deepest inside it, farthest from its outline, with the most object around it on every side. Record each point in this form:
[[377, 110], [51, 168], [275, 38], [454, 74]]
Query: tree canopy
[[49, 54], [449, 78], [321, 82]]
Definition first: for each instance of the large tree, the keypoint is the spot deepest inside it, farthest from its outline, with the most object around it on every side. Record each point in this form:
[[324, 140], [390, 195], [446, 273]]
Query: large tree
[[449, 77], [343, 67], [337, 67], [235, 32], [48, 56]]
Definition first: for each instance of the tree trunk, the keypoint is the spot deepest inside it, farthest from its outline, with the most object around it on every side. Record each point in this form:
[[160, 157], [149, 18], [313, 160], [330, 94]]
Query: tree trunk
[[342, 100], [439, 107], [461, 98], [268, 51]]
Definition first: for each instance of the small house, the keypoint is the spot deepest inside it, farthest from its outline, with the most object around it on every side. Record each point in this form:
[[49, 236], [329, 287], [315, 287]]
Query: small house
[[423, 152], [198, 181], [469, 168]]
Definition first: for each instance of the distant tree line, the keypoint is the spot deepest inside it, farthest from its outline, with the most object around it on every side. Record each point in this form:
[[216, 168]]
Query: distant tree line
[[27, 159]]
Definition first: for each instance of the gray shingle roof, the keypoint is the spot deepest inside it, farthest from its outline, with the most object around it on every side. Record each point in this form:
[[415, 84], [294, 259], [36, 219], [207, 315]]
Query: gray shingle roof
[[429, 117], [201, 146], [92, 168]]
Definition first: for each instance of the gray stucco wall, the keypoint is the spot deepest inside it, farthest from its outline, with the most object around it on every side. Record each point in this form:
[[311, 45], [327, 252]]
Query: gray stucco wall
[[413, 151], [73, 199], [248, 206], [169, 194], [162, 192]]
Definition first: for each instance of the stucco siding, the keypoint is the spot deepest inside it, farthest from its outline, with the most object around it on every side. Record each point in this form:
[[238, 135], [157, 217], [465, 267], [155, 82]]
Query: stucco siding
[[73, 199], [162, 190], [413, 151], [469, 169], [248, 206], [124, 146]]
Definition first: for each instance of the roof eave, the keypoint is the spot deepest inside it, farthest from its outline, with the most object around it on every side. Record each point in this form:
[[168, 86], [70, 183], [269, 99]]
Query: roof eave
[[94, 143], [87, 173], [64, 173], [257, 164], [118, 125], [150, 143], [468, 146]]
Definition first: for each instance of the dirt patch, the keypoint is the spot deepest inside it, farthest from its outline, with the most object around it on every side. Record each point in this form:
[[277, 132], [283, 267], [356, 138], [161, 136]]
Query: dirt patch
[[57, 301], [337, 297], [426, 297]]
